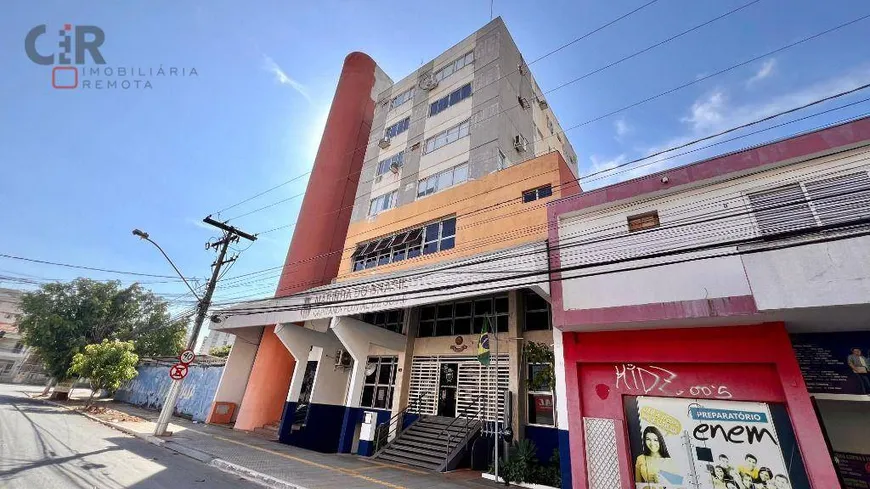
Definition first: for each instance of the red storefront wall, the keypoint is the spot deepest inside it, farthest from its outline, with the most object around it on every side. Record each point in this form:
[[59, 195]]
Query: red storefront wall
[[741, 363]]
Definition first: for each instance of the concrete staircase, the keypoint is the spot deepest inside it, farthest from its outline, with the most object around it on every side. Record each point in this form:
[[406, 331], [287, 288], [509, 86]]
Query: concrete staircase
[[424, 443]]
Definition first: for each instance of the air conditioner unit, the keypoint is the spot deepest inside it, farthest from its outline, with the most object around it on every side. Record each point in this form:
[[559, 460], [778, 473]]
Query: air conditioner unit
[[522, 69], [542, 103], [384, 143], [427, 81], [379, 178], [520, 143], [343, 359], [524, 102], [394, 166]]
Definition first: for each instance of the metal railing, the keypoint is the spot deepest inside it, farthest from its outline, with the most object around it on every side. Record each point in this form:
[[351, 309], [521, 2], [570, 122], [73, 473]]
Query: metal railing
[[384, 430], [466, 418]]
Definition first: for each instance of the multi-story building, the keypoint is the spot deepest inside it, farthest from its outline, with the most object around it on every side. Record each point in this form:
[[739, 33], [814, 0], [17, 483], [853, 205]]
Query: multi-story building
[[420, 188], [215, 339], [17, 362], [715, 319]]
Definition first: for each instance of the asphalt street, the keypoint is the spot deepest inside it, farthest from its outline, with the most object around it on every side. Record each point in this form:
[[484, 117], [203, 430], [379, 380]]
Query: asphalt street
[[43, 446]]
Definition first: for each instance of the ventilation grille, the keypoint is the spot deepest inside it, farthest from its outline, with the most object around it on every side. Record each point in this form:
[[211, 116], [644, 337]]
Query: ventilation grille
[[602, 460]]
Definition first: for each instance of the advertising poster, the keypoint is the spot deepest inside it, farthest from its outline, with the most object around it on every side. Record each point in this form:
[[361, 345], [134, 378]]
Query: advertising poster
[[706, 444], [834, 363]]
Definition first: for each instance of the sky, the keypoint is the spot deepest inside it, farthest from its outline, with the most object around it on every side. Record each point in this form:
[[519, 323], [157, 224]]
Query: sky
[[81, 168]]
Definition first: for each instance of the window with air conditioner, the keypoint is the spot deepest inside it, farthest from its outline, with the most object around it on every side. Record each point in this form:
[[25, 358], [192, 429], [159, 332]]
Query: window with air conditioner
[[395, 160]]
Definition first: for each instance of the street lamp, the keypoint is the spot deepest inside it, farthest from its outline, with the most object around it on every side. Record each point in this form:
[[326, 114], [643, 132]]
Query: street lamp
[[201, 307]]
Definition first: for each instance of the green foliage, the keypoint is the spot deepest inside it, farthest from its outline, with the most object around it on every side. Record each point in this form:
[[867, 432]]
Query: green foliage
[[59, 319], [520, 462], [545, 379], [521, 465], [221, 351], [107, 365]]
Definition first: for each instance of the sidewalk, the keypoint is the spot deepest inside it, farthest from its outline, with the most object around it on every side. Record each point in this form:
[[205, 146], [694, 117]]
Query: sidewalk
[[274, 464]]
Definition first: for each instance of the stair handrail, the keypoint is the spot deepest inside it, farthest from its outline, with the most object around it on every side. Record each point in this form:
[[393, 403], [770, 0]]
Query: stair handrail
[[399, 418], [465, 431]]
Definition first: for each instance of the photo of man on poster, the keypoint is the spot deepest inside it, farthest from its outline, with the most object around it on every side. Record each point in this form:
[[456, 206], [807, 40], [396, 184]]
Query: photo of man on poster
[[861, 367]]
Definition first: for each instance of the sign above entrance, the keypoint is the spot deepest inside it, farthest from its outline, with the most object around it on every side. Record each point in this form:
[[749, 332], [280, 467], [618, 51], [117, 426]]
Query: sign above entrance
[[455, 280]]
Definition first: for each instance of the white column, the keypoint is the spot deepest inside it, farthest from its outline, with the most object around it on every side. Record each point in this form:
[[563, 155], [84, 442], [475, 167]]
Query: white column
[[561, 390], [234, 379], [299, 341]]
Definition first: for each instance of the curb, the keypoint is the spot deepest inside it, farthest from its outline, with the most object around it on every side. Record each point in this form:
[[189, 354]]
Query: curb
[[252, 475], [220, 464]]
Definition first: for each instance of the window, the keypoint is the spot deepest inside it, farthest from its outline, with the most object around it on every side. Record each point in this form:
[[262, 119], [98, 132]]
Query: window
[[379, 382], [397, 128], [383, 202], [450, 100], [401, 98], [840, 199], [502, 161], [647, 220], [550, 126], [536, 312], [18, 347], [826, 202], [434, 237], [540, 134], [444, 138], [456, 65], [464, 316], [391, 320], [538, 193], [442, 180], [540, 402], [397, 159]]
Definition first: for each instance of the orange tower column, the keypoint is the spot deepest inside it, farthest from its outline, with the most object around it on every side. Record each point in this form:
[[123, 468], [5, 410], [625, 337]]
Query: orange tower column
[[315, 251]]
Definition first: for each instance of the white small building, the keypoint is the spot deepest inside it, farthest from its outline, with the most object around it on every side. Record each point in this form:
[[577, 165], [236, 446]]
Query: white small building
[[17, 363], [215, 339]]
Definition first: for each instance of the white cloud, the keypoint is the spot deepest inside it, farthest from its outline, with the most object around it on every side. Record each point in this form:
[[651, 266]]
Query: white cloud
[[710, 114], [706, 113], [622, 129], [282, 77], [765, 71]]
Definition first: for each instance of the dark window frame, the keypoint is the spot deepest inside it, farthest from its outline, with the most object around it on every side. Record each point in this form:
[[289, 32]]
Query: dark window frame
[[412, 245], [640, 219]]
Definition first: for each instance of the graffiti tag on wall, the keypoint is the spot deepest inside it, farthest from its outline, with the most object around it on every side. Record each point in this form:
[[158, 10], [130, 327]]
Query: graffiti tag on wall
[[652, 379]]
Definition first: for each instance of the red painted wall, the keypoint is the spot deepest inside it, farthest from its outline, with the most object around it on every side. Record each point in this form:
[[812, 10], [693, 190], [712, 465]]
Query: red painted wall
[[321, 228], [753, 363]]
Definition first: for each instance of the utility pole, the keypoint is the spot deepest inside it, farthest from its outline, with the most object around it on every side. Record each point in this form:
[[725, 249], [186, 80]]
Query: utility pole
[[231, 235]]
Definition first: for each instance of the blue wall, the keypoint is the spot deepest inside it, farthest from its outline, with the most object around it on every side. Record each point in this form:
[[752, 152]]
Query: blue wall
[[148, 389], [547, 440], [328, 429]]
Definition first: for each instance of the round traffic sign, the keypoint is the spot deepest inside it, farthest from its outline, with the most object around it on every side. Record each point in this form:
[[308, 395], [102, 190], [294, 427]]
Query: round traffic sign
[[187, 356], [178, 371]]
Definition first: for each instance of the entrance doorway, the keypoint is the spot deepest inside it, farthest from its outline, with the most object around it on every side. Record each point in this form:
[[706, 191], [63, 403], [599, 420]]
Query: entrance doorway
[[447, 384]]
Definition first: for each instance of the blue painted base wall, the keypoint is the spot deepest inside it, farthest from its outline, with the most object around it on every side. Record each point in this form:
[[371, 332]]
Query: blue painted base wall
[[329, 428], [148, 389], [547, 440]]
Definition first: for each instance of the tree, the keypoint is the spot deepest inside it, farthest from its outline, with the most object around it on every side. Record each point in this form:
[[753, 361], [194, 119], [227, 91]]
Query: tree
[[221, 351], [107, 365], [59, 319]]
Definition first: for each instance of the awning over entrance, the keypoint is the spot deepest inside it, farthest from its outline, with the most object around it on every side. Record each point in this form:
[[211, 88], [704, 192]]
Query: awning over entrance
[[512, 268]]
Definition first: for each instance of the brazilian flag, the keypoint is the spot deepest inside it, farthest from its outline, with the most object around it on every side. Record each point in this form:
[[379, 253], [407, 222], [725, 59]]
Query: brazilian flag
[[483, 344]]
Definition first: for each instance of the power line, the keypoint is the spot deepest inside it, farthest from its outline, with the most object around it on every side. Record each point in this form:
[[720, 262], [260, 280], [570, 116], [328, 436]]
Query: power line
[[614, 112], [82, 267], [581, 178], [619, 236], [456, 84]]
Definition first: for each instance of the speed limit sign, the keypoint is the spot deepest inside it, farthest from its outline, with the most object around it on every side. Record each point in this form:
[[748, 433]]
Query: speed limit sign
[[186, 356]]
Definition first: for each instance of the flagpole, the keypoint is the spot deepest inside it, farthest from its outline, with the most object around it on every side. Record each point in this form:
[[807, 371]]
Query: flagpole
[[495, 431]]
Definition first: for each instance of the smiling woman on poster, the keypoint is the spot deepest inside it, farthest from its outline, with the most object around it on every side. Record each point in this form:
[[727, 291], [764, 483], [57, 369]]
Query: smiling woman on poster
[[655, 459]]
